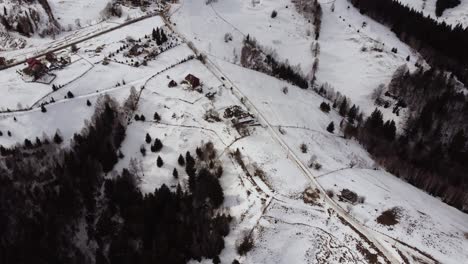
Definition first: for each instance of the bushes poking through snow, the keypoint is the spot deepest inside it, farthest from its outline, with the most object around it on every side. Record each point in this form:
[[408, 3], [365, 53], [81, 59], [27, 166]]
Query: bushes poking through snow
[[325, 107], [245, 244], [303, 148], [157, 145]]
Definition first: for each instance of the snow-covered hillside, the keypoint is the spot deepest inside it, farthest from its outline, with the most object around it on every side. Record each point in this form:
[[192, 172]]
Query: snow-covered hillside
[[452, 16], [288, 179]]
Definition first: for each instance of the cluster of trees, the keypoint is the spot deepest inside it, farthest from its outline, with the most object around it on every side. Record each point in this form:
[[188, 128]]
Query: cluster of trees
[[56, 206], [432, 150], [165, 226], [253, 57], [159, 36], [441, 44]]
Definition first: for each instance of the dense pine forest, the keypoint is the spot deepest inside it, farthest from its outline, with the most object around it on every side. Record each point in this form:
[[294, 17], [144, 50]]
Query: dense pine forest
[[431, 152], [58, 206], [442, 45]]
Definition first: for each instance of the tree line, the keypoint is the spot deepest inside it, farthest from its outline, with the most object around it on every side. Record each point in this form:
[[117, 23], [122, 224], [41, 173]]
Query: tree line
[[431, 151], [441, 44], [58, 206]]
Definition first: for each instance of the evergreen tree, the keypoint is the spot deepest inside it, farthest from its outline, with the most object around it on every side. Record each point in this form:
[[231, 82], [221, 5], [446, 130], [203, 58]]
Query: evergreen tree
[[175, 173], [38, 142], [343, 107], [331, 127], [389, 130], [159, 162], [157, 145], [156, 117], [43, 109], [70, 94], [88, 103], [181, 160], [57, 138], [148, 138], [352, 114], [199, 153], [28, 143]]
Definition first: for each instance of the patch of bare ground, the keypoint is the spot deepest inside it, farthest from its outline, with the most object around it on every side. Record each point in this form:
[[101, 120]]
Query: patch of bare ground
[[390, 217], [311, 196]]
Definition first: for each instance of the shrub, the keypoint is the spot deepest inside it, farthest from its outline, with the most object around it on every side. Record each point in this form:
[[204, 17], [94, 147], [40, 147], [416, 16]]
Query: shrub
[[317, 166], [325, 107], [274, 14], [245, 244], [143, 150], [303, 148], [285, 90], [361, 199], [330, 193]]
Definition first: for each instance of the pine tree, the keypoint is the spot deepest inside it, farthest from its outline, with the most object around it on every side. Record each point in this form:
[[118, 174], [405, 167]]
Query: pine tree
[[163, 37], [142, 118], [199, 153], [88, 103], [157, 146], [43, 109], [137, 117], [175, 173], [9, 133], [343, 107], [38, 142], [70, 94], [57, 138], [148, 138], [389, 130], [352, 114], [156, 117], [27, 143], [331, 127], [159, 162], [181, 160]]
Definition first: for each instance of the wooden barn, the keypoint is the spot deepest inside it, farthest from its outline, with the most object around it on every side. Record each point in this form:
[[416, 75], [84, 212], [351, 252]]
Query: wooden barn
[[192, 80]]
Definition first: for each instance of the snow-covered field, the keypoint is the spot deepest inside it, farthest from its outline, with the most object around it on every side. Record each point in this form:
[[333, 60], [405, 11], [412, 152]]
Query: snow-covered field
[[425, 220], [269, 195], [347, 59]]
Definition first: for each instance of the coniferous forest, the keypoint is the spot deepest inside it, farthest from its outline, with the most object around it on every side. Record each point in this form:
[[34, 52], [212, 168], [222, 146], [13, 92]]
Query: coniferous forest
[[441, 44], [431, 151], [58, 206]]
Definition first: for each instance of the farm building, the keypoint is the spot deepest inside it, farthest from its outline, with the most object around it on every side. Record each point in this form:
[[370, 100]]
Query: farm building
[[35, 68], [192, 80]]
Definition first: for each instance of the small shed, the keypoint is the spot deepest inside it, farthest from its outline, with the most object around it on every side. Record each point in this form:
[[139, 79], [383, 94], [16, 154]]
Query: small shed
[[172, 83], [192, 80]]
